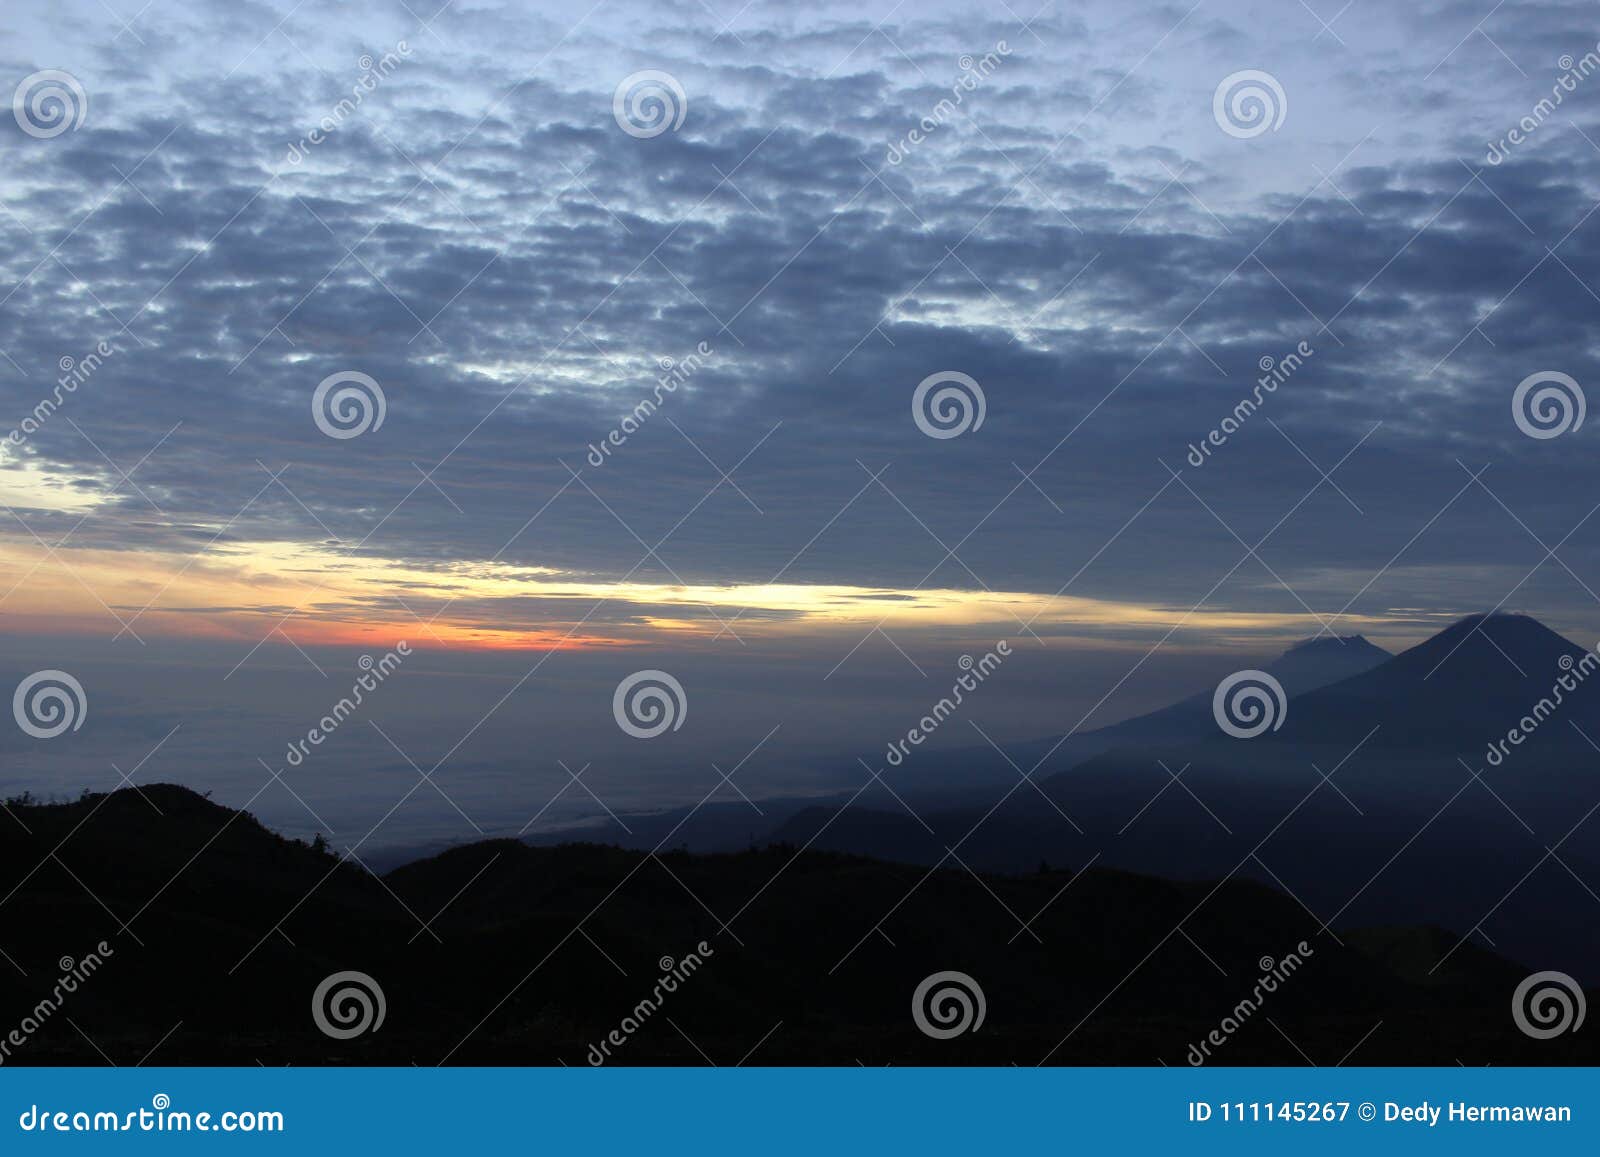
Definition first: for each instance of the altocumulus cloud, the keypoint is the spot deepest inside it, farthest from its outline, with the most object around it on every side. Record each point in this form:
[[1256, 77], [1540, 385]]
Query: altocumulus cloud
[[1079, 237]]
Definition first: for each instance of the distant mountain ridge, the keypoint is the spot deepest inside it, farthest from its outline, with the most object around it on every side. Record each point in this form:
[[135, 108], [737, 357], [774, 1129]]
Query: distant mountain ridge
[[1368, 826], [1304, 667], [1373, 800], [1471, 681], [947, 775], [1318, 661]]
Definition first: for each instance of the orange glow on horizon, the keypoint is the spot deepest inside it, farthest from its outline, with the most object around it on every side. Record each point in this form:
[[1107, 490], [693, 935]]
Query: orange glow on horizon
[[248, 592]]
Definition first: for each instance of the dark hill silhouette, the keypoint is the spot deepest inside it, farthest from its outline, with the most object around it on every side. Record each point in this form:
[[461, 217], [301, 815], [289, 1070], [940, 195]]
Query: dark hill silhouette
[[503, 953]]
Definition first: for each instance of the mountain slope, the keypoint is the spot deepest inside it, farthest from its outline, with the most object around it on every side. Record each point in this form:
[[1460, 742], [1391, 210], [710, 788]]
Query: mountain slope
[[948, 777], [499, 953], [1303, 668], [1375, 802], [1452, 693]]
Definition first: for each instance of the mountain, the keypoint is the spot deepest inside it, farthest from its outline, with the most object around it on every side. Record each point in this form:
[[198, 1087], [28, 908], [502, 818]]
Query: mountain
[[218, 932], [1377, 800], [1316, 662], [966, 775], [952, 778], [1304, 667], [1113, 912], [1456, 691]]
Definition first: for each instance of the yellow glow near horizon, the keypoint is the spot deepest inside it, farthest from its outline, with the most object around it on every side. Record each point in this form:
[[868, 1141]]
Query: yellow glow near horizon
[[315, 593], [26, 484]]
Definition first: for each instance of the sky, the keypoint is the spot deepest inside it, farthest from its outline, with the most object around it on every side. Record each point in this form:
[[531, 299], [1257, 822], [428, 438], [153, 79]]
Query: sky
[[507, 226]]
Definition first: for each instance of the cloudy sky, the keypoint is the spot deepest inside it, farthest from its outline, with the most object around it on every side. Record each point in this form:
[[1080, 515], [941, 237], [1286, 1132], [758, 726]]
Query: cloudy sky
[[507, 221]]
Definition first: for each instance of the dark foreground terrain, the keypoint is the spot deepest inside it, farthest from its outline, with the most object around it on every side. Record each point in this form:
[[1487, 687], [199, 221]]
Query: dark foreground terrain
[[499, 953]]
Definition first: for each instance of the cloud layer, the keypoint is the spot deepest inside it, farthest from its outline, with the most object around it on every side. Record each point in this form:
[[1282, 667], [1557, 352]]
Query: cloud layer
[[261, 196]]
